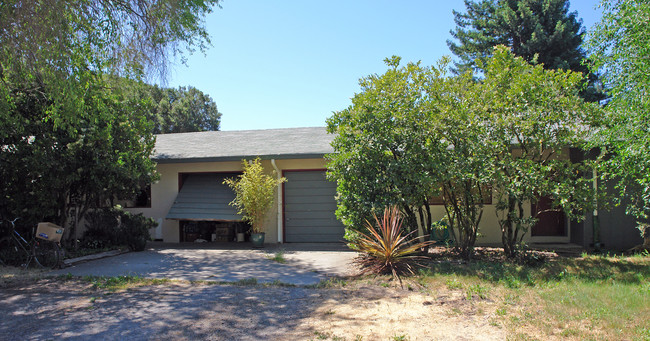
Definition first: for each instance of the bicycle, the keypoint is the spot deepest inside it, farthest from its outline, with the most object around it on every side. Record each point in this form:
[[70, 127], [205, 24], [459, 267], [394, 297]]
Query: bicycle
[[16, 250]]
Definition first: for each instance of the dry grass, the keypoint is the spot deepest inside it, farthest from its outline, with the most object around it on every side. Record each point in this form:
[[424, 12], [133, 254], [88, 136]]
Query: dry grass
[[371, 312], [584, 298], [13, 276]]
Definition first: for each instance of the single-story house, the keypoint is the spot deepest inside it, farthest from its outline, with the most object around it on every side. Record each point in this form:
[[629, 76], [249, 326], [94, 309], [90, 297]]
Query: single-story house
[[190, 201]]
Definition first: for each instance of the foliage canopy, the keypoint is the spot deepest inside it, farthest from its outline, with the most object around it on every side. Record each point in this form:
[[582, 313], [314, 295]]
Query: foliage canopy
[[416, 132], [177, 110], [103, 155], [620, 49], [536, 117], [69, 133]]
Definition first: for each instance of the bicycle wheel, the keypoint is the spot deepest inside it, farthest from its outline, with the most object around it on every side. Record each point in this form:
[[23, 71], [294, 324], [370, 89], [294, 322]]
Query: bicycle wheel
[[46, 254], [11, 254]]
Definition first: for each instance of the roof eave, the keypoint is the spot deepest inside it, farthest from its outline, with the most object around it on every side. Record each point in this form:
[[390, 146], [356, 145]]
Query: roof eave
[[238, 158]]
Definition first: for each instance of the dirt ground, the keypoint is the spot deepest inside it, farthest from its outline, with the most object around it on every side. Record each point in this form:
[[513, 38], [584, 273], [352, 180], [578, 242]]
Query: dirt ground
[[74, 310]]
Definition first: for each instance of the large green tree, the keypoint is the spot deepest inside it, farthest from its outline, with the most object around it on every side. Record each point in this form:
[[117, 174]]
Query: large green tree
[[411, 134], [415, 132], [102, 156], [456, 137], [172, 110], [55, 49], [379, 158], [534, 116], [620, 46], [130, 38], [540, 31], [182, 109], [68, 134]]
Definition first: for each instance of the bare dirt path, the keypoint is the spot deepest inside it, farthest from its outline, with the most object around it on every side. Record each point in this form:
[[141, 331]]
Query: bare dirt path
[[73, 310]]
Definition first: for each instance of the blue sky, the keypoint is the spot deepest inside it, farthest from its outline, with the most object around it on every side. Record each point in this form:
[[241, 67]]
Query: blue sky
[[280, 64]]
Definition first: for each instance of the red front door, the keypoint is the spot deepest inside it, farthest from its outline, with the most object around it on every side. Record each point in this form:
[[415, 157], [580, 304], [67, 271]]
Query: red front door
[[551, 222]]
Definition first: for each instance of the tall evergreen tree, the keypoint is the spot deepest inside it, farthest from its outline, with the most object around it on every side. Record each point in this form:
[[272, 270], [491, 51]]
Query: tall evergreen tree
[[540, 31]]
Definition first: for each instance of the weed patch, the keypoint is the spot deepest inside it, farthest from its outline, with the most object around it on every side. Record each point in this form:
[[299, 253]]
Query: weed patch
[[10, 276], [278, 283], [476, 290], [278, 257], [329, 283], [400, 338], [246, 282], [454, 283], [119, 283]]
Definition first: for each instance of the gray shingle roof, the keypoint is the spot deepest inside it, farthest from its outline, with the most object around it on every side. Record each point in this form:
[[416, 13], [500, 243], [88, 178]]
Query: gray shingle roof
[[235, 145]]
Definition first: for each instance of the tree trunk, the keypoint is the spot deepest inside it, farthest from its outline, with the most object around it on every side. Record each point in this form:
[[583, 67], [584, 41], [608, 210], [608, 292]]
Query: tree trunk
[[509, 230], [409, 218]]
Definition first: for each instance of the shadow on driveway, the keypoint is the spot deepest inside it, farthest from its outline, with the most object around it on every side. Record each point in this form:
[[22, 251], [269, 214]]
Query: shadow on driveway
[[168, 312], [205, 262]]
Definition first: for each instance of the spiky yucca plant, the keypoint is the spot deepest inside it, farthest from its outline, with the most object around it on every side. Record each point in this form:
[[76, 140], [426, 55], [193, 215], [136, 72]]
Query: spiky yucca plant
[[385, 249]]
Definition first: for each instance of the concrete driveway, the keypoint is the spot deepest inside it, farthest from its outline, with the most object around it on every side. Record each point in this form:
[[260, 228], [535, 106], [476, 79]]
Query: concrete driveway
[[306, 263]]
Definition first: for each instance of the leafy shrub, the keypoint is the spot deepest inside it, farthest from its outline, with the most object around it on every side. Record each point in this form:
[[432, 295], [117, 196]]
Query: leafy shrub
[[254, 193], [115, 227], [440, 233], [102, 228], [384, 249], [134, 230]]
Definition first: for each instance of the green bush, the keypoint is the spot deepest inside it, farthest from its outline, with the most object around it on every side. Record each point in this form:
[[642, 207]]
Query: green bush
[[135, 230], [102, 228], [254, 193], [108, 227]]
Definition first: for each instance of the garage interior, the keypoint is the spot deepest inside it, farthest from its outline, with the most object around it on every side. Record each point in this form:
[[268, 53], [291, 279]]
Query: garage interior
[[213, 231]]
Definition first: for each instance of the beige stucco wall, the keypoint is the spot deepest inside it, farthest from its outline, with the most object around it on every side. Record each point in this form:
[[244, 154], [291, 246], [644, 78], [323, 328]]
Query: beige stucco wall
[[489, 231], [165, 190]]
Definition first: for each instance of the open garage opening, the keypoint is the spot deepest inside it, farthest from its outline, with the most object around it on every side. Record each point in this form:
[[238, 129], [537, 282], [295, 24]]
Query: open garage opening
[[214, 231]]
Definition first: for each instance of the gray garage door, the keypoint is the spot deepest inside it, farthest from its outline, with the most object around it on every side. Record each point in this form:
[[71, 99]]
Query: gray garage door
[[309, 207], [204, 197]]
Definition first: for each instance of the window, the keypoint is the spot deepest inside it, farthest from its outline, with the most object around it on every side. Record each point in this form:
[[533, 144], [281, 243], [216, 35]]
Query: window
[[437, 199], [142, 198]]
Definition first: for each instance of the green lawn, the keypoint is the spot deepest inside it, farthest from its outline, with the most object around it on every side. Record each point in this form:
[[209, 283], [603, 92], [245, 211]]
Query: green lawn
[[585, 298]]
